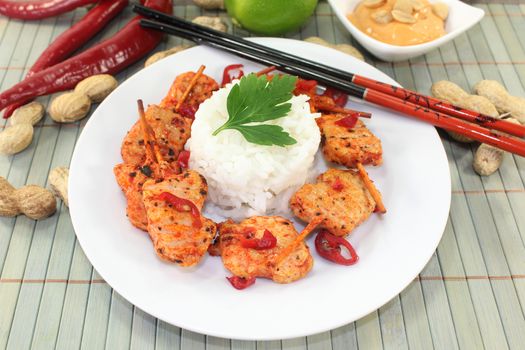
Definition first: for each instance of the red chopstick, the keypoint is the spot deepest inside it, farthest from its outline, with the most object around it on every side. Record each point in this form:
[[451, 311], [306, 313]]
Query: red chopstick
[[440, 106], [447, 122]]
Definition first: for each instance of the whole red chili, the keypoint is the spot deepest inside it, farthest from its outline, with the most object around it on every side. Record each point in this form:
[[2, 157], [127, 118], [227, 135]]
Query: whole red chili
[[181, 204], [38, 9], [73, 38], [267, 241], [339, 97], [329, 247], [183, 159], [306, 87], [110, 56], [349, 121], [241, 283], [232, 72]]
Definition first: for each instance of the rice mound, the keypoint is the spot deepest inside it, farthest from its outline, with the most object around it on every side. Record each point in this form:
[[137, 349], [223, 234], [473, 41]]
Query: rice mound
[[246, 179]]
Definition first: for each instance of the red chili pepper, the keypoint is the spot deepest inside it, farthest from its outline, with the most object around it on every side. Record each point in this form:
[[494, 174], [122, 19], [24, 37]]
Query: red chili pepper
[[349, 121], [339, 97], [267, 241], [229, 73], [110, 56], [38, 9], [183, 159], [241, 283], [338, 185], [187, 111], [329, 247], [182, 205], [305, 87], [73, 38]]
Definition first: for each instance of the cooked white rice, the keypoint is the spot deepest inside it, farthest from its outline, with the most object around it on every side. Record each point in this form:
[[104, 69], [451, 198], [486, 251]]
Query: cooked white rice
[[246, 179]]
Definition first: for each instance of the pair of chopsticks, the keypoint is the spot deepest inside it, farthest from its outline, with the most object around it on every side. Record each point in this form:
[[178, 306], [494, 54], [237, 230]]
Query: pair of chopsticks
[[436, 112]]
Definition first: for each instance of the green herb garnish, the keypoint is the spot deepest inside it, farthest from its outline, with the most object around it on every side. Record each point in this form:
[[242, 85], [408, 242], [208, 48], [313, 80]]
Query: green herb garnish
[[256, 100]]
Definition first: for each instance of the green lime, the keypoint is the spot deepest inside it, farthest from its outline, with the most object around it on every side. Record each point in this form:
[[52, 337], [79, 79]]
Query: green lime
[[270, 17]]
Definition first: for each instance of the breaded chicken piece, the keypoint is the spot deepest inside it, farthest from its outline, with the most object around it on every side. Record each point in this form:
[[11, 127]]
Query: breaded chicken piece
[[200, 92], [249, 262], [347, 146], [340, 196], [179, 233], [130, 179], [171, 132]]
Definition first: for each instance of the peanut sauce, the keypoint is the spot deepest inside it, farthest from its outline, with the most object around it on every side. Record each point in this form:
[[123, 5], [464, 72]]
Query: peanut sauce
[[428, 26]]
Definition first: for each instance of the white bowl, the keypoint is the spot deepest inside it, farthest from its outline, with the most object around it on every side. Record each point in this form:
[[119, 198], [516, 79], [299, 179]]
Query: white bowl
[[461, 18]]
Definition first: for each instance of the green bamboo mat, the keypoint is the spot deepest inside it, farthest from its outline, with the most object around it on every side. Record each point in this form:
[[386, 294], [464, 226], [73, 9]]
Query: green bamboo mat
[[471, 295]]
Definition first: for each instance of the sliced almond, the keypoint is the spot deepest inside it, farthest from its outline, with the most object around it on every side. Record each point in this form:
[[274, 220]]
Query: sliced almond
[[373, 3], [441, 10], [403, 17], [382, 16], [405, 6]]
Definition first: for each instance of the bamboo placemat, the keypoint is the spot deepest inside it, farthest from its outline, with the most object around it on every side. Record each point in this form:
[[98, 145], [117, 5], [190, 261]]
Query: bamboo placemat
[[471, 295]]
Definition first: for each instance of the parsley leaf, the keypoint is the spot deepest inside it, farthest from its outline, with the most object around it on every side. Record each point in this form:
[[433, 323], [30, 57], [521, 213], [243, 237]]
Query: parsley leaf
[[256, 100]]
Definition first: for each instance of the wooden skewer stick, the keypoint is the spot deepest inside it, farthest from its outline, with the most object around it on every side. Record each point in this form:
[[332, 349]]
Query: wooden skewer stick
[[380, 207], [190, 87], [151, 142], [337, 109], [146, 130], [266, 70], [307, 230]]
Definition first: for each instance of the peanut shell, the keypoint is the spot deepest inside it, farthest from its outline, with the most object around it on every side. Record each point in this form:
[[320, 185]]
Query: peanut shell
[[500, 97], [35, 202], [211, 22], [163, 54], [15, 138], [30, 113], [210, 4], [345, 48], [97, 87], [8, 203], [487, 159], [58, 179], [69, 107], [452, 93]]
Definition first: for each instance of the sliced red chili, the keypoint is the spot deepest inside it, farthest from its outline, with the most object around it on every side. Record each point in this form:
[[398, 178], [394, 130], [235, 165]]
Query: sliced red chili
[[306, 87], [232, 72], [339, 97], [337, 185], [329, 247], [187, 111], [183, 159], [241, 283], [349, 121], [267, 241], [182, 205]]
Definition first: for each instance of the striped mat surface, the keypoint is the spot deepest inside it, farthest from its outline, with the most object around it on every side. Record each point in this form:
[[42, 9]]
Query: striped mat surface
[[471, 294]]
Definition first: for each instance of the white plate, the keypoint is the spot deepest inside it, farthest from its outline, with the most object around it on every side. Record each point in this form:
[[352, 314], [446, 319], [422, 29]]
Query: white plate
[[461, 18], [393, 249]]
